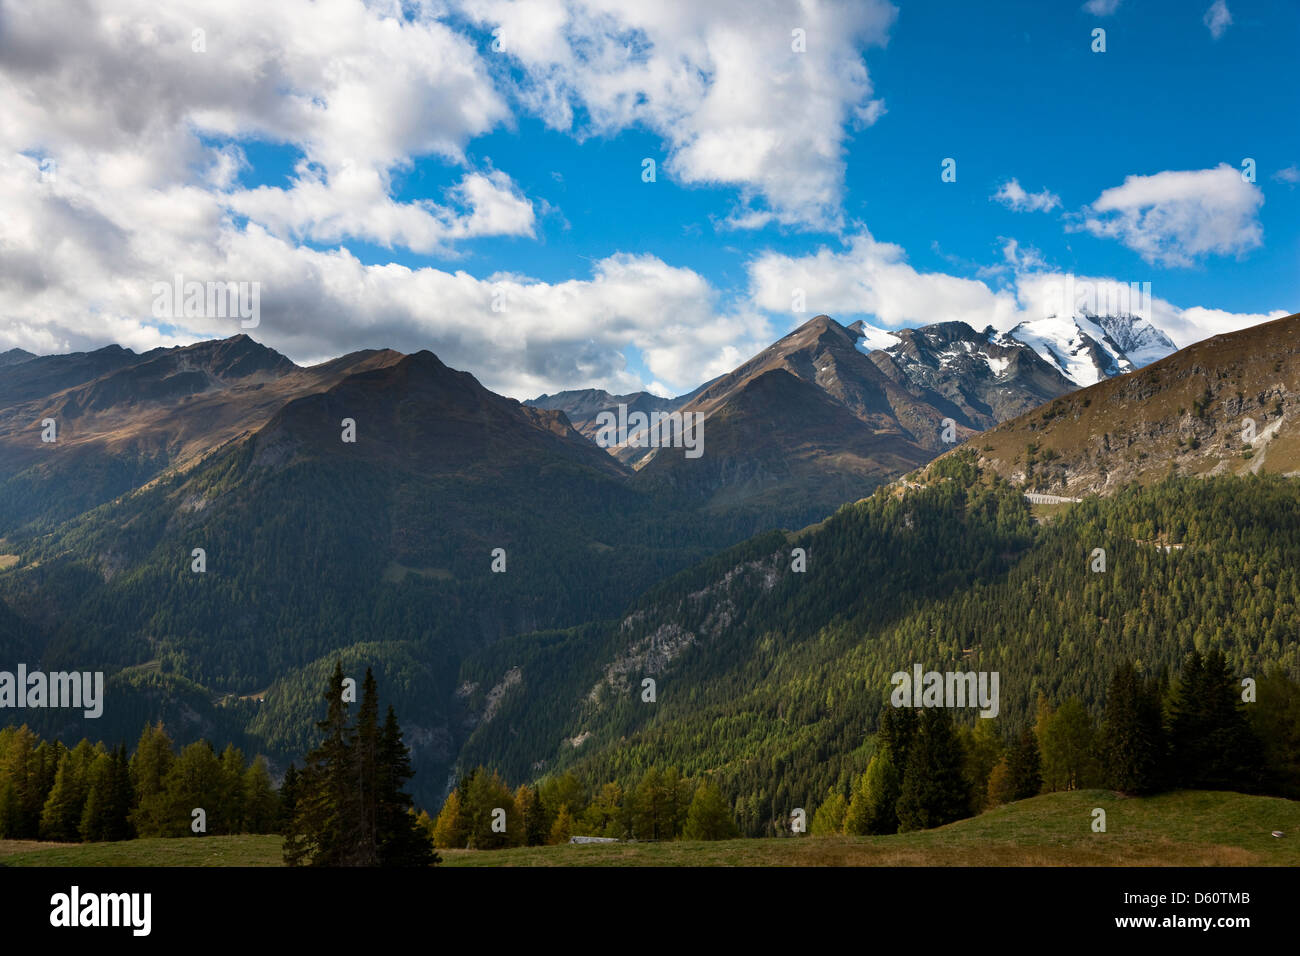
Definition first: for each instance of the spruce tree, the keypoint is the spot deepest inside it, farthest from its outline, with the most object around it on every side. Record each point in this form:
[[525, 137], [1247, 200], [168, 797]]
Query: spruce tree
[[934, 789], [402, 841], [288, 801], [1212, 744], [1132, 734], [535, 825], [363, 841], [325, 811], [1023, 765]]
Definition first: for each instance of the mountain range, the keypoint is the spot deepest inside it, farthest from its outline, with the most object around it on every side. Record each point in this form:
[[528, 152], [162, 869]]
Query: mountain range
[[387, 510]]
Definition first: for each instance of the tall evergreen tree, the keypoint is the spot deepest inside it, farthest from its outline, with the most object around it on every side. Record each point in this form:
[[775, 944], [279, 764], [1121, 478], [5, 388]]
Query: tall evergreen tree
[[1132, 734], [325, 810], [934, 789], [1023, 766], [402, 841], [288, 801], [1212, 745], [364, 842]]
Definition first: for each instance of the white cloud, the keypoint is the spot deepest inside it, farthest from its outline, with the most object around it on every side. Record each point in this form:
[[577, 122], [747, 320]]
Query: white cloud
[[1101, 8], [125, 104], [719, 81], [73, 278], [1174, 218], [1022, 259], [1012, 195], [1217, 18], [355, 202], [874, 278], [871, 280], [1290, 175]]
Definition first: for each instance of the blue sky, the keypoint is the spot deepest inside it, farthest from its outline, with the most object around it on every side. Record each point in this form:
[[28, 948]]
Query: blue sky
[[384, 184]]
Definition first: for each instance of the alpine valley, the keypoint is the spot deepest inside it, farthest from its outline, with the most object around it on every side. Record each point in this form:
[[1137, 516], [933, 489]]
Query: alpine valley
[[512, 584]]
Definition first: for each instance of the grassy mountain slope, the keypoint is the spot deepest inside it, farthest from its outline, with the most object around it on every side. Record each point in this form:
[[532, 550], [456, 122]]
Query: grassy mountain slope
[[1186, 415]]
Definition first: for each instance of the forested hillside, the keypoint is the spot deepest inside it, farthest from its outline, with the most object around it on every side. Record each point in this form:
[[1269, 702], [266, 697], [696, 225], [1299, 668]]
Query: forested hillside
[[774, 680]]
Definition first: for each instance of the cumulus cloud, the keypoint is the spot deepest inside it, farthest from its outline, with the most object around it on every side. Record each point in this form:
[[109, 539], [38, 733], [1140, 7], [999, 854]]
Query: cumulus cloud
[[72, 278], [144, 98], [1012, 195], [124, 145], [1174, 218], [1217, 19], [722, 82], [355, 202]]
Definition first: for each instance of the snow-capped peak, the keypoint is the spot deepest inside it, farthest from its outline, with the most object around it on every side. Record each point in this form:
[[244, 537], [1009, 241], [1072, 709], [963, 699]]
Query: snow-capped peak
[[1088, 348], [870, 337], [1137, 337]]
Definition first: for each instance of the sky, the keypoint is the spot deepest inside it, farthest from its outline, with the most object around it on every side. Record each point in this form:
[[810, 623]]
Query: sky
[[559, 194]]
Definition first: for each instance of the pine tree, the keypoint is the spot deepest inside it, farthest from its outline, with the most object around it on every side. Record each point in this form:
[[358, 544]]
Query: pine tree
[[1212, 744], [402, 841], [873, 806], [1275, 718], [349, 808], [652, 810], [933, 789], [325, 812], [288, 801], [123, 798], [1132, 734], [895, 732], [1023, 765], [365, 769]]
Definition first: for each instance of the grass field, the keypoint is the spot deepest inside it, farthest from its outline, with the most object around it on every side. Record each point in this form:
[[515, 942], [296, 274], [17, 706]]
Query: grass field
[[1192, 828]]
